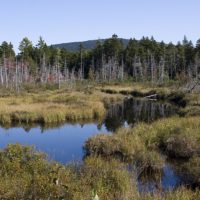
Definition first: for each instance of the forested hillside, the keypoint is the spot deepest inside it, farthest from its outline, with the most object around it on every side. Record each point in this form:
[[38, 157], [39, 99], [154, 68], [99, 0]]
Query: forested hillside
[[88, 45], [111, 59]]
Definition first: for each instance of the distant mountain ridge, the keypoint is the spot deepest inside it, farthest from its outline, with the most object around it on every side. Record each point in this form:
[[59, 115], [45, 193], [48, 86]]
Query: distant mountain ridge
[[89, 44]]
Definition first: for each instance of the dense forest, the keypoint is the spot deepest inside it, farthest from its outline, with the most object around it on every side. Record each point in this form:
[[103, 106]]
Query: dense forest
[[88, 44], [110, 60]]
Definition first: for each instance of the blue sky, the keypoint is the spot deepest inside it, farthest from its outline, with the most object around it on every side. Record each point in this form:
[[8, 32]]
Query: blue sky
[[59, 21]]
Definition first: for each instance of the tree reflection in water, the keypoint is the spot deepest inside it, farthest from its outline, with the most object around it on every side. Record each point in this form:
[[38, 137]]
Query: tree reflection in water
[[132, 111]]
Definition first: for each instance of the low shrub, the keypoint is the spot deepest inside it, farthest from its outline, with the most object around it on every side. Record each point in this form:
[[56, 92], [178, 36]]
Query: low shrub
[[26, 174]]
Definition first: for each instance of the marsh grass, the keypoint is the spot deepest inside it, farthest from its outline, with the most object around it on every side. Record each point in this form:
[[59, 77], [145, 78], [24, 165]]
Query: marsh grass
[[176, 137], [127, 147], [26, 174], [149, 162], [117, 145], [189, 103], [177, 98], [46, 104], [193, 106], [54, 106], [182, 193], [191, 170]]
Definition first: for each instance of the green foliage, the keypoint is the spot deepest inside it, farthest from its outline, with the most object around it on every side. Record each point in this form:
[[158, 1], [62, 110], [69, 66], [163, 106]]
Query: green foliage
[[178, 58], [6, 50], [113, 47], [26, 48], [25, 174]]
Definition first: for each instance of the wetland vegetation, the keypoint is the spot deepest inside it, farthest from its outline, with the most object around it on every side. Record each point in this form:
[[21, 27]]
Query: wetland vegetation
[[118, 121], [149, 140]]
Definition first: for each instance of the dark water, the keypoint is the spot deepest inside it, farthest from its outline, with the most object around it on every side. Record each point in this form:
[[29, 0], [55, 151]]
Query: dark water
[[64, 144], [167, 180], [132, 111]]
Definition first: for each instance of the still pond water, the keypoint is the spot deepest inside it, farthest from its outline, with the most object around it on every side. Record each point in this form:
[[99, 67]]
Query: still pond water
[[64, 143]]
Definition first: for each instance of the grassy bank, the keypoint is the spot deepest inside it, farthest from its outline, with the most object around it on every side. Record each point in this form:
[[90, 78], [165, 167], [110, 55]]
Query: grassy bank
[[25, 174], [182, 133], [176, 137], [164, 94], [189, 103], [54, 106], [137, 89], [84, 102], [193, 105]]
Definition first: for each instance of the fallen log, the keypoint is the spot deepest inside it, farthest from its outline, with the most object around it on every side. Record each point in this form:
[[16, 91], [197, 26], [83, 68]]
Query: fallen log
[[151, 96]]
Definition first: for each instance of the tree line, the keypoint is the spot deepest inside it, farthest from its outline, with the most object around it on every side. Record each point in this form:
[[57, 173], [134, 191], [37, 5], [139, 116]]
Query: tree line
[[141, 60]]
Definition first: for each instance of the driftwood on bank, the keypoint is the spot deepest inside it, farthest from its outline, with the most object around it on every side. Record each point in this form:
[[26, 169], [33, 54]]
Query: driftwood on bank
[[152, 96]]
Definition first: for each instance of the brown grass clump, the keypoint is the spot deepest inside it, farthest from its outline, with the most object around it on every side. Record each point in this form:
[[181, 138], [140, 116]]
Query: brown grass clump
[[53, 106], [119, 145]]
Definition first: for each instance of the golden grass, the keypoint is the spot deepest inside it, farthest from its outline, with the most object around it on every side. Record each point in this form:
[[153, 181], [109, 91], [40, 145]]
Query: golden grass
[[54, 106], [141, 87], [131, 140], [84, 102], [193, 107]]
